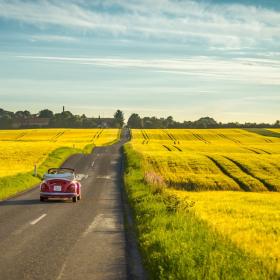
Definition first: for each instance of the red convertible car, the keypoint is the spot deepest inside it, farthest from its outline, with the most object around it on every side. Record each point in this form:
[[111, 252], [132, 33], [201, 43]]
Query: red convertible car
[[60, 183]]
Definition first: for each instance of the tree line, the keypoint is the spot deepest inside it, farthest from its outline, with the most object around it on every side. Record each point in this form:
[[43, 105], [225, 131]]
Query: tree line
[[135, 121], [47, 118]]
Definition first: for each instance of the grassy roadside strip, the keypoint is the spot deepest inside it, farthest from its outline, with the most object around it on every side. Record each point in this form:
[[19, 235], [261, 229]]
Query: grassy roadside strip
[[174, 242], [11, 185]]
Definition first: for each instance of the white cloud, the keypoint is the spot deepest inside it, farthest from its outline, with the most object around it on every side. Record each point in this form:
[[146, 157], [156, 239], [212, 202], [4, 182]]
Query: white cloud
[[256, 71], [269, 98], [228, 26], [53, 38]]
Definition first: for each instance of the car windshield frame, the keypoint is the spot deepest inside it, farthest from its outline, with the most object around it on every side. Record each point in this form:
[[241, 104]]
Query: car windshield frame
[[62, 170]]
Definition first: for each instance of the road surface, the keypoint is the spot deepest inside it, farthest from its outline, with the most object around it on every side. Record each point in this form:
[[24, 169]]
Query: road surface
[[65, 240]]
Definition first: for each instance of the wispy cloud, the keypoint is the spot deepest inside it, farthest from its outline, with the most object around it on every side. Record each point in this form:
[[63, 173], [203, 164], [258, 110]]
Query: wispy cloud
[[228, 26], [257, 71], [269, 98], [53, 38]]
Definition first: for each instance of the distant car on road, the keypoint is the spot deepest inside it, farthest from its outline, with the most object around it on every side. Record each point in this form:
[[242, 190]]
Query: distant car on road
[[60, 183]]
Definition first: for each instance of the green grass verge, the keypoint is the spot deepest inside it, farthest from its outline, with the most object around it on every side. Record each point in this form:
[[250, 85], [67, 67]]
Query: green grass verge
[[12, 185], [263, 132], [174, 242]]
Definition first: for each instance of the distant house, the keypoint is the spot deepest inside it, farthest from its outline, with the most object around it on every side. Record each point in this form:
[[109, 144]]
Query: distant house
[[104, 122], [34, 122]]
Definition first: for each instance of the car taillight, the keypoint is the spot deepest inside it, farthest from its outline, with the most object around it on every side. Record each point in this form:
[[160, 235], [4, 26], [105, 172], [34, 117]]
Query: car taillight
[[44, 187], [71, 188]]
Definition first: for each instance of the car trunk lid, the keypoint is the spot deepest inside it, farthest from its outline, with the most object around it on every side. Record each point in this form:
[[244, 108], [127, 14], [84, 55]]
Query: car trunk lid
[[58, 185]]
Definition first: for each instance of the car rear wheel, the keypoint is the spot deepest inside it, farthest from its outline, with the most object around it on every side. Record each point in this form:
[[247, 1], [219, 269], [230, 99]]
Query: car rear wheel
[[79, 197], [42, 199], [74, 199]]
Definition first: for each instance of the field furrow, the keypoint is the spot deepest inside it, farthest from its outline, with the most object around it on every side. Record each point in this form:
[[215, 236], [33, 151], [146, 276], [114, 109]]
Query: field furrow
[[243, 178], [212, 159]]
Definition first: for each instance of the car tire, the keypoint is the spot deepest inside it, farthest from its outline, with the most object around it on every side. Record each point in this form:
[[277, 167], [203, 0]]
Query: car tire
[[42, 199], [80, 197], [74, 199]]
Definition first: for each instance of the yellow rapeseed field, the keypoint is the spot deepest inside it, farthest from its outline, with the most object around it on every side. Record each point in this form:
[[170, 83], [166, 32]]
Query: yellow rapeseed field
[[242, 170], [275, 130], [211, 159], [250, 220], [21, 149]]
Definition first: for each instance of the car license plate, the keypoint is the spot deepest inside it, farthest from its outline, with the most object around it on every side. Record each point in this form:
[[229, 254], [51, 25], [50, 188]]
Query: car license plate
[[57, 188]]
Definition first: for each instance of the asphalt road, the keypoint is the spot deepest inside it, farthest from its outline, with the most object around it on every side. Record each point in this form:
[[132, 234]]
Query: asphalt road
[[65, 240]]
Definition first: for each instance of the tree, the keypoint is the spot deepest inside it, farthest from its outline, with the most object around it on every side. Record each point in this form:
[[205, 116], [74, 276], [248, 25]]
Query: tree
[[6, 119], [205, 122], [22, 114], [45, 114], [64, 119], [134, 121], [119, 118], [26, 114], [169, 121]]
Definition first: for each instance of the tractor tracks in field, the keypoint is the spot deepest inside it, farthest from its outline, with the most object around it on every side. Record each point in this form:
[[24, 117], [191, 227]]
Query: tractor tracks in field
[[171, 137], [229, 138], [242, 170], [245, 170], [228, 174], [201, 138], [177, 148], [58, 135], [97, 135], [258, 151], [174, 140], [169, 149], [20, 136], [145, 136]]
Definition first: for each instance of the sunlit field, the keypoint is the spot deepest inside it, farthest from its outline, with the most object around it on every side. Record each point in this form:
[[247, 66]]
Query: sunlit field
[[227, 183], [250, 220], [275, 130], [211, 159], [20, 150]]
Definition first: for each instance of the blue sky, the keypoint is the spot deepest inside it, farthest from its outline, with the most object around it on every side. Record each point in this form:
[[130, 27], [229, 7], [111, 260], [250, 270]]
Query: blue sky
[[183, 58]]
